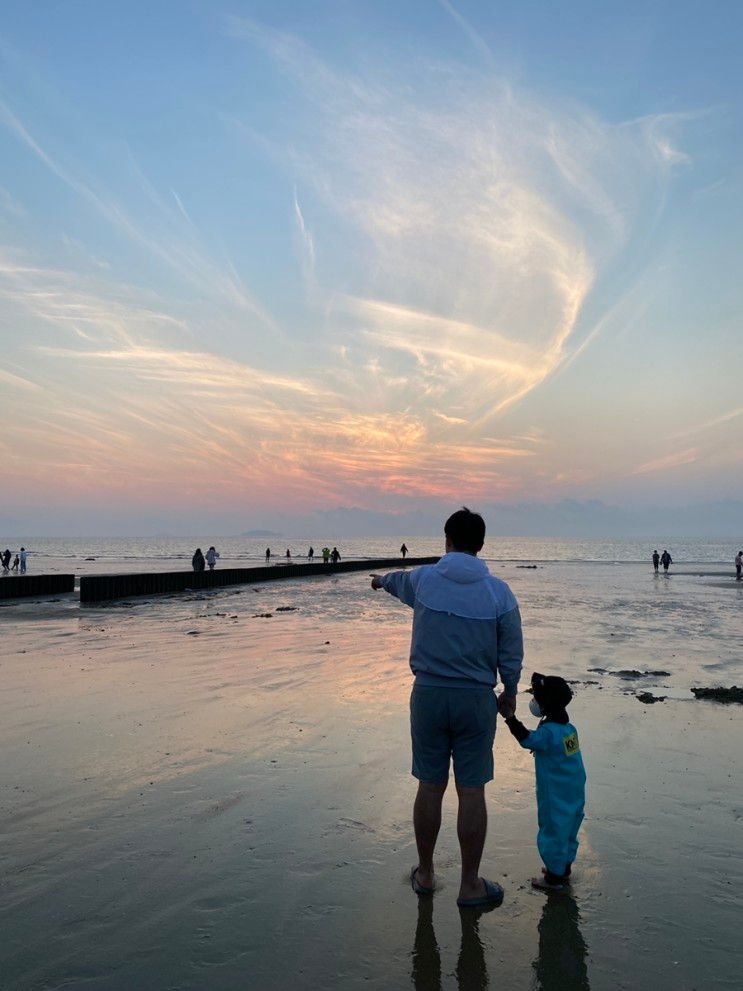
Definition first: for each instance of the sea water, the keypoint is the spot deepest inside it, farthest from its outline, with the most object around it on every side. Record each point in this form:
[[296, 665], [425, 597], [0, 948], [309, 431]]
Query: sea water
[[124, 554]]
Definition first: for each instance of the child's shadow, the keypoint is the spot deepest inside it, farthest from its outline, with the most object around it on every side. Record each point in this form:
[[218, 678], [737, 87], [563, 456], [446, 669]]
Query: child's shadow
[[561, 963]]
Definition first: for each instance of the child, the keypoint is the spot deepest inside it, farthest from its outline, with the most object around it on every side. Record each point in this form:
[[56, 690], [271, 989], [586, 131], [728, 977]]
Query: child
[[561, 779]]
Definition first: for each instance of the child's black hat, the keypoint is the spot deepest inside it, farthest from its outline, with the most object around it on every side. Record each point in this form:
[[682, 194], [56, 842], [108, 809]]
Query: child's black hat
[[552, 693]]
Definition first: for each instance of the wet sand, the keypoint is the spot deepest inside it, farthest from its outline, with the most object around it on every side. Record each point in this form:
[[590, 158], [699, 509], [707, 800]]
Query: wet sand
[[194, 796]]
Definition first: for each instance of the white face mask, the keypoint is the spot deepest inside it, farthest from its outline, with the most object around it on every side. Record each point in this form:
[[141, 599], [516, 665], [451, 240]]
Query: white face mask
[[535, 709]]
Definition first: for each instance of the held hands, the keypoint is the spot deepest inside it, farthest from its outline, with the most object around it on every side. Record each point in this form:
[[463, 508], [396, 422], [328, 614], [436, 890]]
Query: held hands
[[376, 582], [506, 705]]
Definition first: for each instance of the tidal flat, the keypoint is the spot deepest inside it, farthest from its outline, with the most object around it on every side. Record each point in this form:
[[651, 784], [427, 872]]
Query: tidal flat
[[213, 791]]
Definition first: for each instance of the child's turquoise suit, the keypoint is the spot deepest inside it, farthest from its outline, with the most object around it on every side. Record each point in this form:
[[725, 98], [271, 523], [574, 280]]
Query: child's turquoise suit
[[561, 788]]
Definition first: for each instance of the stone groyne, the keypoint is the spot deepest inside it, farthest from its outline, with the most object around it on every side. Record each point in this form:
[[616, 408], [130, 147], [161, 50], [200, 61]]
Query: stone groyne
[[23, 586], [103, 588]]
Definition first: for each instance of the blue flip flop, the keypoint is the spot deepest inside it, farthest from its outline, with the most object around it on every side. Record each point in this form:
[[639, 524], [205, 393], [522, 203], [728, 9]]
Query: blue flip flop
[[491, 899], [417, 887]]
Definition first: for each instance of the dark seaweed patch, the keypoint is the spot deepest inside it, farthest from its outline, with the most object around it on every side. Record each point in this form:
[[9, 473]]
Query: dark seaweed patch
[[726, 695]]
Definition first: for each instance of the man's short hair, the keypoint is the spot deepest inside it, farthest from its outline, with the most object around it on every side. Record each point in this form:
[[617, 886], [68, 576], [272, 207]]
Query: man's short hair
[[466, 530]]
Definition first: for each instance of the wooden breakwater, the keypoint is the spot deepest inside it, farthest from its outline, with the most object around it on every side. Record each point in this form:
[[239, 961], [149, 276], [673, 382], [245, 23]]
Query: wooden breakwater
[[103, 588], [23, 586]]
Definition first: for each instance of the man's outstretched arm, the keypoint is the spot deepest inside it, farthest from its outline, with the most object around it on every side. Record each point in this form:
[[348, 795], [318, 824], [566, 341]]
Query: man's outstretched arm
[[397, 583]]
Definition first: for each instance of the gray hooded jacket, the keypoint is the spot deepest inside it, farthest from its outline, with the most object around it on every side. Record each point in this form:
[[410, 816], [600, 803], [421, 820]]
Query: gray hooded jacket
[[466, 624]]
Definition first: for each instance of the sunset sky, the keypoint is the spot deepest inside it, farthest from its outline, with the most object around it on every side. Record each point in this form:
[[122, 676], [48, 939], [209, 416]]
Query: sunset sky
[[263, 259]]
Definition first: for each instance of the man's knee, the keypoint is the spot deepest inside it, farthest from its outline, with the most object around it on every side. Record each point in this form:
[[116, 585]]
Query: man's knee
[[429, 788], [465, 791]]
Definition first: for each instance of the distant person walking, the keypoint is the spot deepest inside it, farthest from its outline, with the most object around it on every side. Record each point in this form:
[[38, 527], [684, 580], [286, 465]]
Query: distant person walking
[[738, 565], [403, 551], [268, 555], [325, 555], [197, 561], [311, 554], [335, 555], [665, 560], [6, 561], [466, 636], [24, 555], [211, 557], [656, 561], [288, 554]]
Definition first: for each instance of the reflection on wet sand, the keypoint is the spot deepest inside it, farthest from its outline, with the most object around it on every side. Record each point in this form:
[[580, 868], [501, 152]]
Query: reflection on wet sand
[[472, 974], [426, 972], [561, 963]]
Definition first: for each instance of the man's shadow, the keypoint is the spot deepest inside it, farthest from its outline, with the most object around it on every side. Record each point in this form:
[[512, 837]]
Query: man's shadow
[[472, 974], [560, 964]]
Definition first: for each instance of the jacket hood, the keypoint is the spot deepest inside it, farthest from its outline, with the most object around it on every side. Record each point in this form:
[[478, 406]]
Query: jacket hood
[[461, 585], [461, 568]]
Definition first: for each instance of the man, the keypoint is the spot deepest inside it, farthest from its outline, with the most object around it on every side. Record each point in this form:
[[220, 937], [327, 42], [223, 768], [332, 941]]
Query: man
[[403, 551], [656, 561], [666, 560], [738, 565], [466, 634], [24, 557]]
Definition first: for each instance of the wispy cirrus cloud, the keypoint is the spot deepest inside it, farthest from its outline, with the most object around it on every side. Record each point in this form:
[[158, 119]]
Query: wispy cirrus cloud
[[473, 36], [307, 243], [482, 218], [163, 234], [710, 424], [18, 381], [668, 461]]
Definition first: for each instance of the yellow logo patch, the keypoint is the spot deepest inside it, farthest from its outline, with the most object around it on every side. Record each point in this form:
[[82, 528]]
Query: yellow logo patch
[[571, 744]]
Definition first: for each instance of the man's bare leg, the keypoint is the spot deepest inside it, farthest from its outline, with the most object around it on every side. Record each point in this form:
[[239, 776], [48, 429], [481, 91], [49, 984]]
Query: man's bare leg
[[472, 826], [427, 822]]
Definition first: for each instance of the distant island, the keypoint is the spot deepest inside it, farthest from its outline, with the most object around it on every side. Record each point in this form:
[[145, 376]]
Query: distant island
[[260, 533]]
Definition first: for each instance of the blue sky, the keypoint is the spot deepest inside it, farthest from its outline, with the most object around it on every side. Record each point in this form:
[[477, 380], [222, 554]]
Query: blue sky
[[262, 259]]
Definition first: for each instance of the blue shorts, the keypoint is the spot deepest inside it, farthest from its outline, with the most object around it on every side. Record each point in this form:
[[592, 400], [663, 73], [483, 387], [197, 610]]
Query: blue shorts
[[454, 723]]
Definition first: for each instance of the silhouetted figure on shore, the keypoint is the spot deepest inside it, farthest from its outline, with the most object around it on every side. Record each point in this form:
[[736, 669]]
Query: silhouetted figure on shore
[[268, 555], [335, 556], [738, 565], [24, 555], [288, 554], [403, 551], [16, 562], [197, 561], [211, 557], [6, 561], [656, 561], [311, 554], [665, 560]]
